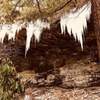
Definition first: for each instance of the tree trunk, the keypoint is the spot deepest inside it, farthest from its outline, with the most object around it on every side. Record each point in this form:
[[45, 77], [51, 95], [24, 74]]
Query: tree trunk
[[98, 44], [96, 18]]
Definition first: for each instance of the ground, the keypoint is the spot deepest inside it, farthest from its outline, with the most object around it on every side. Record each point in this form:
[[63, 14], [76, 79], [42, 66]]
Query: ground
[[57, 93], [79, 81], [60, 70]]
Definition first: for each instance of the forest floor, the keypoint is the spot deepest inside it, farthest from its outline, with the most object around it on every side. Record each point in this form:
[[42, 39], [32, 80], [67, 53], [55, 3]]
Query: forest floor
[[78, 79], [73, 75], [57, 93]]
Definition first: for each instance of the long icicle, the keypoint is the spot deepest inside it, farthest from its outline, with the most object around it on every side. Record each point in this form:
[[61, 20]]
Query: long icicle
[[35, 29], [76, 22]]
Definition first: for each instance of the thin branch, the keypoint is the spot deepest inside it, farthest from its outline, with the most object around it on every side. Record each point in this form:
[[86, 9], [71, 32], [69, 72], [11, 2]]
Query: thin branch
[[39, 8], [16, 6], [62, 6]]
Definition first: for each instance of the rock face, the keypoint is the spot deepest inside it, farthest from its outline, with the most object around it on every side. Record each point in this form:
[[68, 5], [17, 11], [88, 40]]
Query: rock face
[[52, 46], [51, 51]]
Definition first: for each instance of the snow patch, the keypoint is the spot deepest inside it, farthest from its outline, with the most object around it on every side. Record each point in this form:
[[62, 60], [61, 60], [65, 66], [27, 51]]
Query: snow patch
[[76, 22]]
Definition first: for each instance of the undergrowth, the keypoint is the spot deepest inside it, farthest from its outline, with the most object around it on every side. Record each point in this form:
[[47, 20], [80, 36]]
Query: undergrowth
[[10, 83]]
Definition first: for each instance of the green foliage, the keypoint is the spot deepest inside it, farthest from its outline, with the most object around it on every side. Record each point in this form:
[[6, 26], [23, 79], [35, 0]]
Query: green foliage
[[9, 81]]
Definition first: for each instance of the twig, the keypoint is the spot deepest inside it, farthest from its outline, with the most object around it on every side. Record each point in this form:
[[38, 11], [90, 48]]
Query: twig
[[62, 6], [16, 6], [39, 8]]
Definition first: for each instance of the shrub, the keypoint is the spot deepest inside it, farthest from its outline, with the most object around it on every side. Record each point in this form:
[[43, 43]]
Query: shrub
[[10, 83]]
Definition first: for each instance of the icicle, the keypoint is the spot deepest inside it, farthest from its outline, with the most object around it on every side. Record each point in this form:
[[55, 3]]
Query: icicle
[[10, 30], [35, 29], [12, 34], [15, 28], [38, 28], [27, 97], [76, 22], [3, 31], [29, 34], [2, 35]]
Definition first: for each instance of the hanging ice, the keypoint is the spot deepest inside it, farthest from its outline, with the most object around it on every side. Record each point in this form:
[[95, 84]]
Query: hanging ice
[[35, 29], [27, 97], [29, 34], [38, 28], [10, 30], [76, 22], [15, 28], [3, 32]]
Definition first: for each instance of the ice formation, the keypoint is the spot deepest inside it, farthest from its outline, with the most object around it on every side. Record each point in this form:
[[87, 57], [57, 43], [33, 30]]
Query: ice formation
[[76, 22], [6, 29], [10, 30], [35, 29], [3, 32], [27, 97]]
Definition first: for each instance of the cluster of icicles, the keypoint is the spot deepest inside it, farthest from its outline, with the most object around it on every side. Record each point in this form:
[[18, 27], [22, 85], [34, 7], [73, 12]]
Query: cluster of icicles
[[35, 29], [75, 22]]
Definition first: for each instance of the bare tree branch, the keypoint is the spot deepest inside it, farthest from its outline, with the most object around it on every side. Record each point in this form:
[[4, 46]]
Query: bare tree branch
[[39, 8], [16, 5], [62, 6]]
